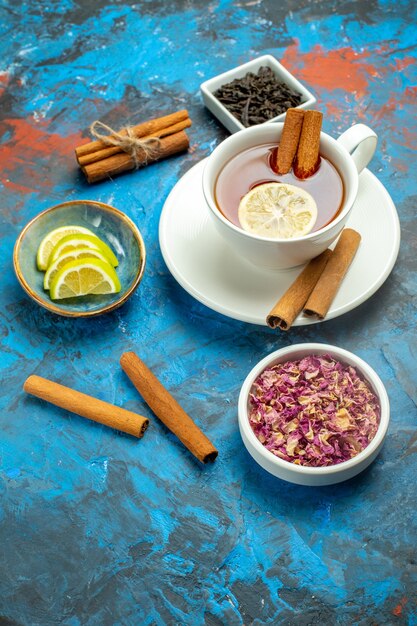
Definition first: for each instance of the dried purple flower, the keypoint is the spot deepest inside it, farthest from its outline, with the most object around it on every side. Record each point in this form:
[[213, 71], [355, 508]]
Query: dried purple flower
[[316, 411]]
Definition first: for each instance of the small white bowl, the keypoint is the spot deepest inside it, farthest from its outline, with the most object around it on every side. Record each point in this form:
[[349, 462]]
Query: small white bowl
[[299, 474], [230, 121]]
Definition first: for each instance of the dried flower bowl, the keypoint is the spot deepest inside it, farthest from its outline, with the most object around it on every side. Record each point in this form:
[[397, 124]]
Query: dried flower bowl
[[111, 225], [224, 116], [301, 474]]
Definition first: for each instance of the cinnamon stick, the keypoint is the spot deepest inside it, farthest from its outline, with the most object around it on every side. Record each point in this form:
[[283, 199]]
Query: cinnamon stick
[[167, 408], [86, 406], [308, 153], [104, 153], [291, 303], [118, 163], [329, 282], [141, 130], [288, 143]]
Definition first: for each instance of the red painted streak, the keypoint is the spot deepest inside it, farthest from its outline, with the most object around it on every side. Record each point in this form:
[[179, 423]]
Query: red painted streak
[[333, 110], [401, 64], [410, 95], [387, 109], [399, 608], [399, 166], [408, 98], [4, 81], [16, 187], [410, 138], [390, 114], [343, 69], [32, 155]]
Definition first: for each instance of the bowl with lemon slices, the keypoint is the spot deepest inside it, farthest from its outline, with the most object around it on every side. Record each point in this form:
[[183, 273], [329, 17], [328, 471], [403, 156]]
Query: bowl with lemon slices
[[80, 258]]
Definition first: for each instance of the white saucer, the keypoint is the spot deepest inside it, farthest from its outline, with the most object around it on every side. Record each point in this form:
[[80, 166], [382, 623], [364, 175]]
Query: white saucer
[[211, 272]]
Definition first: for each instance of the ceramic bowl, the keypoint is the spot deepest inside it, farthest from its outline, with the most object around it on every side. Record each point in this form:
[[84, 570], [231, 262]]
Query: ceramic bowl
[[224, 116], [108, 223], [303, 475]]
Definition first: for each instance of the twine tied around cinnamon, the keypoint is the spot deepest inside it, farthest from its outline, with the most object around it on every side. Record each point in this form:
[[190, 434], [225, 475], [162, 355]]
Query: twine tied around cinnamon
[[111, 153], [140, 150]]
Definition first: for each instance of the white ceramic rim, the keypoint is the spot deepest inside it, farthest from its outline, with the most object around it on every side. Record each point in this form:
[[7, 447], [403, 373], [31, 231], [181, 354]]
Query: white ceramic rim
[[344, 356], [348, 201]]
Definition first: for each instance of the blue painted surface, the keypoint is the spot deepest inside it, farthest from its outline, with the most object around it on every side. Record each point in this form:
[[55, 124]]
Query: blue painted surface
[[99, 529]]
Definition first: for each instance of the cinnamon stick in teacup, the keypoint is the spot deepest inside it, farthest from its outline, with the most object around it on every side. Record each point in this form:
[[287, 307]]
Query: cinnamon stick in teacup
[[167, 408], [291, 303], [329, 282], [308, 153], [86, 406], [288, 143]]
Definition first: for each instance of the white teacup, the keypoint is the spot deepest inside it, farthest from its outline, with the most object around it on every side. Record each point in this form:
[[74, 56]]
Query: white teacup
[[350, 154]]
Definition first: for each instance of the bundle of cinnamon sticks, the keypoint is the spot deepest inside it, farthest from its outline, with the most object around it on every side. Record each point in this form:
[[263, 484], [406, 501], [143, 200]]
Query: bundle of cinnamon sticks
[[134, 146]]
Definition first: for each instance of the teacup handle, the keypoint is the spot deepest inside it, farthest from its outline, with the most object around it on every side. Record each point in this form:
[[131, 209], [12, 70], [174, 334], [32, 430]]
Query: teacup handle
[[360, 141]]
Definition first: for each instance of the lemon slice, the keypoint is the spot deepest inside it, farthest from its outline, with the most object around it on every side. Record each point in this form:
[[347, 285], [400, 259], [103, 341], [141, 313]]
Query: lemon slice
[[52, 238], [277, 211], [72, 255], [72, 242], [84, 277]]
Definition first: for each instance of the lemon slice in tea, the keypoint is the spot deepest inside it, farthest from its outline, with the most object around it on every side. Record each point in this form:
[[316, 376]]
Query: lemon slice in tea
[[51, 239], [84, 277], [72, 255], [72, 242], [277, 211]]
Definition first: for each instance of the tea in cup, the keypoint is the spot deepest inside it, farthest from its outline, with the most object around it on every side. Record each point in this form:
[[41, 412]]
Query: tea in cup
[[244, 162]]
